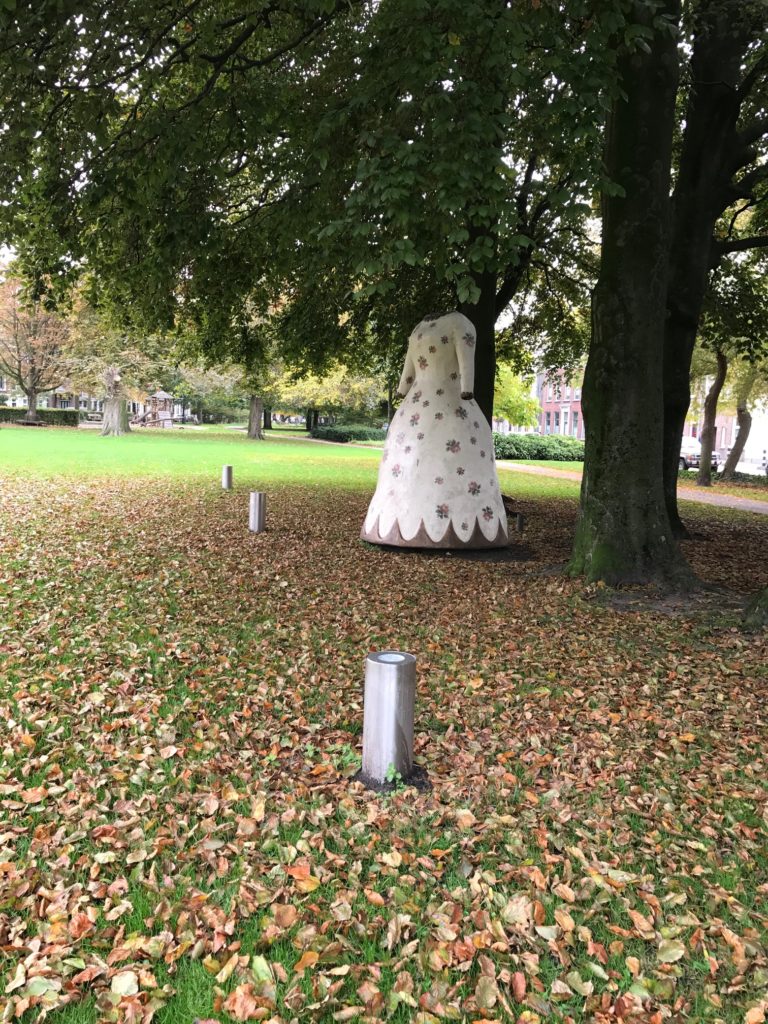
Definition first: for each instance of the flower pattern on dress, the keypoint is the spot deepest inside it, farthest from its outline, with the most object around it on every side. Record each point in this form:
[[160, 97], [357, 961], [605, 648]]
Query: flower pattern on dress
[[482, 455], [415, 493]]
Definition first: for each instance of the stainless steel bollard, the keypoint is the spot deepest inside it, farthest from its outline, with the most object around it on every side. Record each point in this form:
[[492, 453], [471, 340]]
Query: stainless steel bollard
[[390, 694], [226, 478], [257, 512]]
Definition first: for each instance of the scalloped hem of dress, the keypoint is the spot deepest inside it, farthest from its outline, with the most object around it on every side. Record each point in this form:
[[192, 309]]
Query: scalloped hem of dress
[[421, 539]]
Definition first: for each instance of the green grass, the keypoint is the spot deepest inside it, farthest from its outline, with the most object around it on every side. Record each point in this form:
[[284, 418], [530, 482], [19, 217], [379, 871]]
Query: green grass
[[84, 454]]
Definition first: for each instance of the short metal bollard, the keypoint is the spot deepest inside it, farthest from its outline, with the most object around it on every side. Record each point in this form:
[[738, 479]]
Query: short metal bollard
[[257, 512], [520, 522], [226, 478], [388, 710]]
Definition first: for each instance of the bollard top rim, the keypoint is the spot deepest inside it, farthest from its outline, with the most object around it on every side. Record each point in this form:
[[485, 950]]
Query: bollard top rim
[[391, 658]]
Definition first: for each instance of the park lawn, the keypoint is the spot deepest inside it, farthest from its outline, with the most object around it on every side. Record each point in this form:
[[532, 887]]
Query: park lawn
[[187, 454], [179, 831]]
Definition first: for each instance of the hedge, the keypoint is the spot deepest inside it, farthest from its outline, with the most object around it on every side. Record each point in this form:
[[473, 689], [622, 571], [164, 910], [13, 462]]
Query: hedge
[[542, 447], [51, 417], [348, 432]]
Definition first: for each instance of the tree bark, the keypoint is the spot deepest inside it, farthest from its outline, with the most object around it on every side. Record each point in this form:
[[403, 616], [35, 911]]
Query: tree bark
[[709, 427], [483, 315], [114, 421], [744, 422], [31, 413], [256, 418], [623, 532], [267, 418], [702, 191]]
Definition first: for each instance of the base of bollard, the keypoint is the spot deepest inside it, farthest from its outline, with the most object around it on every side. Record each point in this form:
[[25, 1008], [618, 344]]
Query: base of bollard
[[418, 779]]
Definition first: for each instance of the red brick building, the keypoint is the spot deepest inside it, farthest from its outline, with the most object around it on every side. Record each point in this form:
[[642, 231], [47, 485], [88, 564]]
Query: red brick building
[[560, 402]]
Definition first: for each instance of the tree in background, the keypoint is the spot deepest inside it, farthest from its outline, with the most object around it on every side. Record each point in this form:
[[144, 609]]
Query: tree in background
[[108, 361], [733, 337], [340, 392], [749, 384], [33, 344], [513, 400]]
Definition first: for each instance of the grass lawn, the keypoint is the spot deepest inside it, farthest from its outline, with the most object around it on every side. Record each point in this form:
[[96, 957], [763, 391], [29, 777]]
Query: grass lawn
[[181, 711]]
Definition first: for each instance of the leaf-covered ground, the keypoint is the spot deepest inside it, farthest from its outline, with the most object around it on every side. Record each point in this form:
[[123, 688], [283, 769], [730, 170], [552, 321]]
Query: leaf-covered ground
[[181, 717]]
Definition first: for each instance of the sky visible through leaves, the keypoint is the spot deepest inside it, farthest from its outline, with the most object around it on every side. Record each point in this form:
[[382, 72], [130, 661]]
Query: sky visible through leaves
[[180, 836]]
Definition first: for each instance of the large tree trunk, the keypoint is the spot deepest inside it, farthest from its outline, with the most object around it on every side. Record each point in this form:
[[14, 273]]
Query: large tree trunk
[[623, 533], [31, 413], [744, 421], [256, 418], [114, 421], [267, 418], [709, 428], [702, 192], [483, 315]]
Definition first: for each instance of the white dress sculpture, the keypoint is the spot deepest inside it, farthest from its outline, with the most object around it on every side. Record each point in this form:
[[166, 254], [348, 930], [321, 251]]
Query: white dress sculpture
[[437, 485]]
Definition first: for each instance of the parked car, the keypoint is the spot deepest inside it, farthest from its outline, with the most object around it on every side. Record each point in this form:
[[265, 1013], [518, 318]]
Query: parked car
[[690, 455]]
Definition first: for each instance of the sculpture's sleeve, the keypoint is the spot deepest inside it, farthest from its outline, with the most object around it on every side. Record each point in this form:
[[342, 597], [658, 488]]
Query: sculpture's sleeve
[[464, 339], [408, 375]]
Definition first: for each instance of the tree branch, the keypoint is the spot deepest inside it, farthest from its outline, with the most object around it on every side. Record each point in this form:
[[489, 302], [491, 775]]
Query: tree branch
[[741, 244]]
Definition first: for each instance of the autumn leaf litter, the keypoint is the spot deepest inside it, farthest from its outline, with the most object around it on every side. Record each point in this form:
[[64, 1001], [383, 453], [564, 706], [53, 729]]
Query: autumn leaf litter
[[182, 711]]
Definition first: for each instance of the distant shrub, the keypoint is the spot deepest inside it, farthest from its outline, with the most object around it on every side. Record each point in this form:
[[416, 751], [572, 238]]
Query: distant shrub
[[348, 432], [52, 417], [540, 447]]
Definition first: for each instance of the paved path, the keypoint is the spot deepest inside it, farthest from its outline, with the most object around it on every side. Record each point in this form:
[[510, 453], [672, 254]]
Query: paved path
[[685, 493]]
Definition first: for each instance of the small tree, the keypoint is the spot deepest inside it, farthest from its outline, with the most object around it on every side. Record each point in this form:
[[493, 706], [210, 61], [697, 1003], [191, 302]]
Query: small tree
[[750, 385], [109, 362], [33, 352], [513, 400], [115, 421]]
